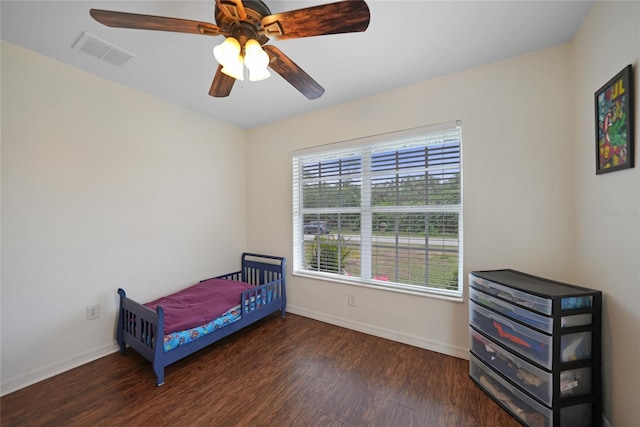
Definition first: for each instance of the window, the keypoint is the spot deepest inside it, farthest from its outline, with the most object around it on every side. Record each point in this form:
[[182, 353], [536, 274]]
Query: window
[[383, 211]]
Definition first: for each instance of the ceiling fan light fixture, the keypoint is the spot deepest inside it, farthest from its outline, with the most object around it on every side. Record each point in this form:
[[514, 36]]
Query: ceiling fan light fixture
[[234, 68], [227, 51]]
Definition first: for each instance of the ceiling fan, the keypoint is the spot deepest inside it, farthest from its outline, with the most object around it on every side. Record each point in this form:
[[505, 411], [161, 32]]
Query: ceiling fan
[[247, 26]]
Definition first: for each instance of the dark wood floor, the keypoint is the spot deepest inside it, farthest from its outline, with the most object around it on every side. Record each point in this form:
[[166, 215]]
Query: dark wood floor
[[279, 372]]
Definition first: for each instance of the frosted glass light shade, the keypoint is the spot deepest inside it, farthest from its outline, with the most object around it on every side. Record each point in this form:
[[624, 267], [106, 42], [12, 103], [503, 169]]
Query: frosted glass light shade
[[256, 61], [259, 74], [234, 68], [227, 51]]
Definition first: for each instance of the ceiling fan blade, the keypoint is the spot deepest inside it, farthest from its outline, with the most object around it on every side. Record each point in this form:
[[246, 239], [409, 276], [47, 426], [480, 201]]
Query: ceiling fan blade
[[222, 84], [240, 14], [291, 72], [349, 16], [150, 22]]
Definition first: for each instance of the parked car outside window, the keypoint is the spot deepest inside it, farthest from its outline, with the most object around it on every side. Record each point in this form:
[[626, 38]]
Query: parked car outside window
[[316, 227]]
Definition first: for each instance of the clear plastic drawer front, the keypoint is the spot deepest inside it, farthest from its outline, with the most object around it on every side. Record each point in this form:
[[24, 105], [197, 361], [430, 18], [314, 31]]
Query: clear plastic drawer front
[[525, 316], [530, 412], [576, 320], [575, 382], [533, 345], [576, 347], [541, 305], [535, 381], [576, 416], [576, 303]]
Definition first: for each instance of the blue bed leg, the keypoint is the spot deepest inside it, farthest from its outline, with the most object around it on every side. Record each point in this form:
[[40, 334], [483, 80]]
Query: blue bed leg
[[158, 350], [159, 371], [284, 292], [119, 334], [283, 274]]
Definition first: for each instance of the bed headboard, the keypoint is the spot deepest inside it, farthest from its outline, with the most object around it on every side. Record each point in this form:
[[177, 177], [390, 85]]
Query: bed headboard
[[258, 269]]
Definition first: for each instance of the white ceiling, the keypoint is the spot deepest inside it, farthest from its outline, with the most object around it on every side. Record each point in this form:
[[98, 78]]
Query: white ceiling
[[406, 42]]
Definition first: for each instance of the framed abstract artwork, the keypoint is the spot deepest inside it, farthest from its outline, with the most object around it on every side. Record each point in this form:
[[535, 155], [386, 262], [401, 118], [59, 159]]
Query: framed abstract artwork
[[614, 123]]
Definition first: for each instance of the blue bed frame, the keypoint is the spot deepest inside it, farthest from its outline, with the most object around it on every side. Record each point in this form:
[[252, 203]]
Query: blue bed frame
[[143, 329]]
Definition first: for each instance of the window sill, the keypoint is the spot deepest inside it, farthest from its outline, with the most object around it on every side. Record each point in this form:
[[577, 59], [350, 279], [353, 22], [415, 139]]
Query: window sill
[[380, 286]]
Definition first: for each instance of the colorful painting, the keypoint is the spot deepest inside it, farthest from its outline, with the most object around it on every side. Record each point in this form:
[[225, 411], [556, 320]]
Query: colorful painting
[[614, 123]]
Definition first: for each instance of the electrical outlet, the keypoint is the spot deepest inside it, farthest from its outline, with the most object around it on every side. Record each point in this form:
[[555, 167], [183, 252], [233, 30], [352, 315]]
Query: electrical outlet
[[351, 300], [93, 312]]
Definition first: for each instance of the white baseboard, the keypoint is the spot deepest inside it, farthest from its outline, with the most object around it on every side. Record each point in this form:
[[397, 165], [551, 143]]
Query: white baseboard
[[437, 346], [24, 380]]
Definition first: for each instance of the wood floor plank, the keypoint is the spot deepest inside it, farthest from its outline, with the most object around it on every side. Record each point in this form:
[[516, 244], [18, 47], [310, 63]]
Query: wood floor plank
[[278, 372]]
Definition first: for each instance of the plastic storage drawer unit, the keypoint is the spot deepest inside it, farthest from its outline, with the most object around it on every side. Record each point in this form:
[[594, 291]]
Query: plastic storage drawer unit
[[535, 347]]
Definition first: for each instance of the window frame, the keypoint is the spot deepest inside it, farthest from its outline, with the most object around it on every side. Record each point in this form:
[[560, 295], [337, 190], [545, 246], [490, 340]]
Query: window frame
[[365, 147]]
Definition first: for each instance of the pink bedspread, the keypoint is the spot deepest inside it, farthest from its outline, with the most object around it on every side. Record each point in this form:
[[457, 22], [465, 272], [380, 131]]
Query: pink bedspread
[[198, 304]]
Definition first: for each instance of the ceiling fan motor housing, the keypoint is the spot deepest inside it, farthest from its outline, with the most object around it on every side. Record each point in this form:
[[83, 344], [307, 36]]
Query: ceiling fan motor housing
[[243, 30]]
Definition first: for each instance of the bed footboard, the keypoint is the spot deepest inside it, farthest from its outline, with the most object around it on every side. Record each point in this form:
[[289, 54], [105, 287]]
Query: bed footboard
[[142, 329]]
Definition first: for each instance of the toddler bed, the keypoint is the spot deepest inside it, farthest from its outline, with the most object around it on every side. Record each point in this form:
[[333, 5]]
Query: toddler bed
[[172, 327]]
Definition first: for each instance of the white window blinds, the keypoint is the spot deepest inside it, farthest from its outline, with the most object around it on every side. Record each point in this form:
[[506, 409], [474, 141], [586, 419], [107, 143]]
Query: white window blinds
[[384, 211]]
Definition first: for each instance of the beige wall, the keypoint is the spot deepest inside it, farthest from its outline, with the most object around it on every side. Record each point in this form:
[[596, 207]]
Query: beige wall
[[516, 119], [103, 187], [606, 217]]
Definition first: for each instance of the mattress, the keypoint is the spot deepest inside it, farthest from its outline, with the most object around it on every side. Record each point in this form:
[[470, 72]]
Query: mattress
[[203, 308], [199, 304], [180, 338]]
